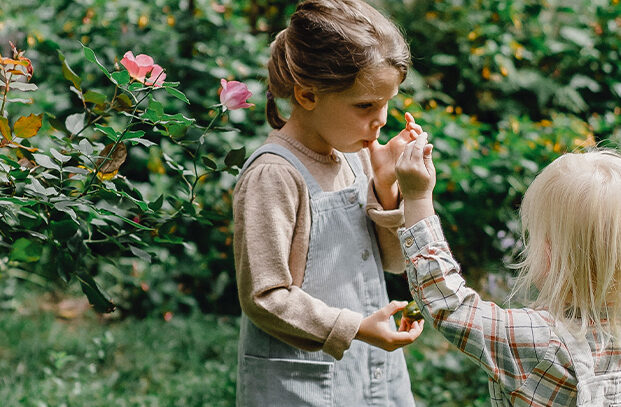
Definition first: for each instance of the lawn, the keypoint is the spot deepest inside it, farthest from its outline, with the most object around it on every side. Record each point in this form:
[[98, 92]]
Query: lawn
[[58, 352]]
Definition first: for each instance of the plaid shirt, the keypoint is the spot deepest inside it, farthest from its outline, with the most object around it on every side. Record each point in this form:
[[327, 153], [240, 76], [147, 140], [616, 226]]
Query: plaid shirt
[[527, 363]]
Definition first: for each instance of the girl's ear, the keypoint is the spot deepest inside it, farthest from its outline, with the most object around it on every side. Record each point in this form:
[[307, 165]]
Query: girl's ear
[[306, 97]]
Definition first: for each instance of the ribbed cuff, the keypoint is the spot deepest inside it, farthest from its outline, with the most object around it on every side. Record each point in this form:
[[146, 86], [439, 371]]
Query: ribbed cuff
[[390, 219], [343, 333]]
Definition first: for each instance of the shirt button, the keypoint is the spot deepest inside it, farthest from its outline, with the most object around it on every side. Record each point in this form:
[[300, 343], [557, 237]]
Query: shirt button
[[409, 241], [365, 254], [378, 373]]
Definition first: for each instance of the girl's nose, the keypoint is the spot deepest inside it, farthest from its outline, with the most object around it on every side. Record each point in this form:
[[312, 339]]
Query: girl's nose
[[380, 121]]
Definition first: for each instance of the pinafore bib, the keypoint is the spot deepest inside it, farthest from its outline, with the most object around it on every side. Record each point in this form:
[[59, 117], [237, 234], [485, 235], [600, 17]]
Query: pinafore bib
[[343, 269], [593, 391]]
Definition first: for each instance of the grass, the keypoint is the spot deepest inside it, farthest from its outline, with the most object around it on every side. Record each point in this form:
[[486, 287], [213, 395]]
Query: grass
[[84, 360]]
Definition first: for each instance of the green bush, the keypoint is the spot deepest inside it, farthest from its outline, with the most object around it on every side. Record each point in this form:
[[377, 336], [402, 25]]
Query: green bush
[[503, 88]]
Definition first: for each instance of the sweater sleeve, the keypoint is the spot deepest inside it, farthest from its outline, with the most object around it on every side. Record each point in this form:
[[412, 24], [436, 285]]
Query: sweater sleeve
[[387, 222], [271, 211]]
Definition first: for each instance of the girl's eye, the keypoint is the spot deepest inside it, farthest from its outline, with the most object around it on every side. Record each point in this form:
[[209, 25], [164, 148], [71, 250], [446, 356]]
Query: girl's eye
[[364, 105]]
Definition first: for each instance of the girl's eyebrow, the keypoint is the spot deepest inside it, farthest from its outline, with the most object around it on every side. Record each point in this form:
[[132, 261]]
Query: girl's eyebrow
[[376, 99]]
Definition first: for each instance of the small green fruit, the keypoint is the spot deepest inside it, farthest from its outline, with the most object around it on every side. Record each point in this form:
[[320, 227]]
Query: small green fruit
[[411, 312]]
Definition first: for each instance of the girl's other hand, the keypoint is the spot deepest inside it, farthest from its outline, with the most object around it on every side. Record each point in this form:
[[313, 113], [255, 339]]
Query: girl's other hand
[[376, 329]]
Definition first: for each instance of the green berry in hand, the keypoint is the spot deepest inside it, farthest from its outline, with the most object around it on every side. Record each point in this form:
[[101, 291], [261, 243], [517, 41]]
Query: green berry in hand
[[411, 312]]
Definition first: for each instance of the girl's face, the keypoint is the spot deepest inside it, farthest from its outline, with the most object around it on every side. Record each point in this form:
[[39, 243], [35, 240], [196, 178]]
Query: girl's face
[[352, 119]]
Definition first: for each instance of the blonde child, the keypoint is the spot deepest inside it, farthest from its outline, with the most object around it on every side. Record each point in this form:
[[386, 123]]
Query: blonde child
[[563, 350], [316, 210]]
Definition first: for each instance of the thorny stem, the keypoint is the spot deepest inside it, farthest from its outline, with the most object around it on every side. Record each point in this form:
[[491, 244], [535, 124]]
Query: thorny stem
[[98, 118], [196, 176], [116, 143]]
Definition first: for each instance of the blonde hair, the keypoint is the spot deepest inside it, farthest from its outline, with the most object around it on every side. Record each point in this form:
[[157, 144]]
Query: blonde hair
[[326, 45], [571, 224]]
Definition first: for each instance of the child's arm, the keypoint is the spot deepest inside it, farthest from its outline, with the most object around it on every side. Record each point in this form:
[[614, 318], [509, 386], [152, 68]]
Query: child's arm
[[383, 160], [384, 207], [507, 344]]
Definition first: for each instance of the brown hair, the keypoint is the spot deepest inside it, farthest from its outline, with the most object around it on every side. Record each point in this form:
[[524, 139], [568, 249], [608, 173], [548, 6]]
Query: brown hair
[[326, 45]]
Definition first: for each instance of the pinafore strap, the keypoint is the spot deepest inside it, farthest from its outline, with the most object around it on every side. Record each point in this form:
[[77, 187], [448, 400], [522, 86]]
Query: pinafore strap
[[311, 184]]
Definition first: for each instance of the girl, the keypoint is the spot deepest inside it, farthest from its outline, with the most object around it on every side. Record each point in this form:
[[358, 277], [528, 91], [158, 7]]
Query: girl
[[316, 210], [571, 219]]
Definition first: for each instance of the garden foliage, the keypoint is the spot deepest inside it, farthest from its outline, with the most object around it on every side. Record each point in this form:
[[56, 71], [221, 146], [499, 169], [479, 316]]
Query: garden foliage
[[125, 188]]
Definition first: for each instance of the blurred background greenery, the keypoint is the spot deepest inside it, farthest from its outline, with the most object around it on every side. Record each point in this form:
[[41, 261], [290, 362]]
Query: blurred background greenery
[[504, 87]]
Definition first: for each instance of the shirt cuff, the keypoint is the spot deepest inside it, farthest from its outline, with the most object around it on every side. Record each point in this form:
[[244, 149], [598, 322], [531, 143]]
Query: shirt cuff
[[390, 219], [419, 235], [344, 331]]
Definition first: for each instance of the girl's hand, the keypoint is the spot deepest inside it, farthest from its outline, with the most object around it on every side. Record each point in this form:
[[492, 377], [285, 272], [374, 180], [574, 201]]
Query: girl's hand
[[384, 159], [376, 328]]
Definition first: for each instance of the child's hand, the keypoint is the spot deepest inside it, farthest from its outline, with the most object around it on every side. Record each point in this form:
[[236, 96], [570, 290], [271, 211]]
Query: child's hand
[[376, 328], [384, 159], [415, 170], [417, 177]]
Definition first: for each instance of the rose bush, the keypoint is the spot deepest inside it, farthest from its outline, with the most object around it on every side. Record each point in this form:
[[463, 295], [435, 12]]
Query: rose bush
[[68, 207]]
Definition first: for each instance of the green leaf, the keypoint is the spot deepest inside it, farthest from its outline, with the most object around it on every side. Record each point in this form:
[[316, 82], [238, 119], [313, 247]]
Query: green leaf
[[10, 161], [68, 72], [133, 135], [157, 204], [178, 94], [24, 86], [60, 157], [75, 122], [140, 253], [85, 147], [154, 112], [63, 230], [120, 77], [90, 56], [45, 161], [92, 96], [235, 157], [26, 250], [96, 297], [108, 131], [136, 86], [209, 162]]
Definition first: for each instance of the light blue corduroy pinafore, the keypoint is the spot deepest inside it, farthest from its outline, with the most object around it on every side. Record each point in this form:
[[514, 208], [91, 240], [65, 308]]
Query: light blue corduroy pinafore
[[344, 270]]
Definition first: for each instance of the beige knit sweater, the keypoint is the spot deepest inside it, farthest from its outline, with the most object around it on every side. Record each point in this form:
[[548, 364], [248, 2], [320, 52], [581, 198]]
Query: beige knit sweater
[[272, 227]]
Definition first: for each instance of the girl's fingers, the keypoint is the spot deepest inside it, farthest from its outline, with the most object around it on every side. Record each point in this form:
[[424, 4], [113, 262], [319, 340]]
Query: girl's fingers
[[394, 306], [413, 126]]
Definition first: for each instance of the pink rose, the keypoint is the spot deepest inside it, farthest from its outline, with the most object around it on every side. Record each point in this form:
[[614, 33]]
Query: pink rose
[[234, 95], [141, 66]]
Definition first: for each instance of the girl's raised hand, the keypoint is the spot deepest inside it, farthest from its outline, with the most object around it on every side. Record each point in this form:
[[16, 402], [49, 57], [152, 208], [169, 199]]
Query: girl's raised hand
[[376, 328]]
